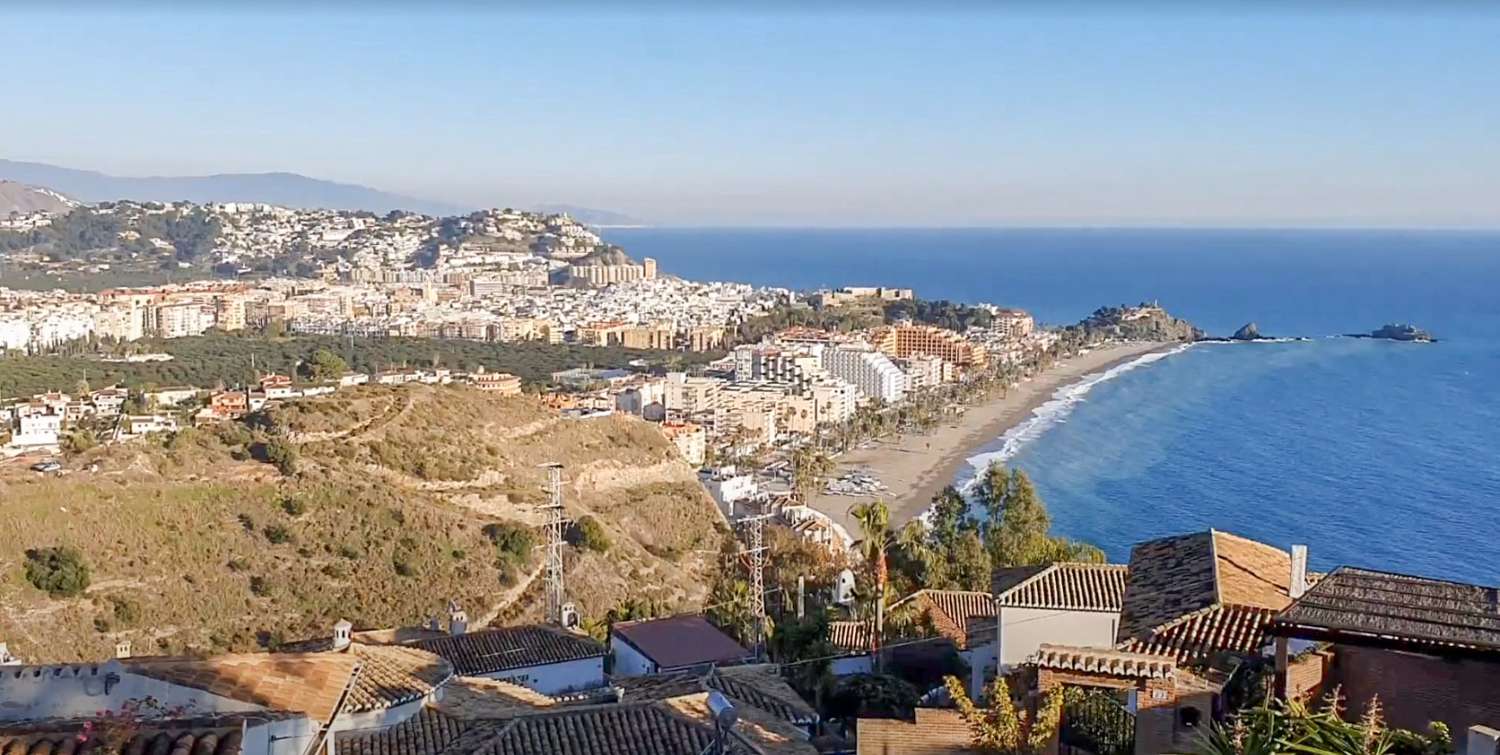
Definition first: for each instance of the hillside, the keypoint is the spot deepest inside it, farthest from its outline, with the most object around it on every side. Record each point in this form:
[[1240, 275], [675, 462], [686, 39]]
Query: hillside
[[396, 504], [284, 189], [23, 199]]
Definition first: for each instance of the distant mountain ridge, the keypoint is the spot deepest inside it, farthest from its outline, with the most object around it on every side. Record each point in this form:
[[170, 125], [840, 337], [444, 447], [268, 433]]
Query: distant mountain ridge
[[285, 189], [19, 197]]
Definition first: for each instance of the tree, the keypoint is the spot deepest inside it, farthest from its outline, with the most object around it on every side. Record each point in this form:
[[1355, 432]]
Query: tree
[[875, 523], [589, 534], [729, 609], [79, 440], [809, 468], [60, 571], [1017, 526], [324, 365], [1002, 729]]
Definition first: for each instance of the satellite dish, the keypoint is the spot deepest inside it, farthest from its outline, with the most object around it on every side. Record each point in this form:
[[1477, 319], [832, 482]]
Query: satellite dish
[[843, 588]]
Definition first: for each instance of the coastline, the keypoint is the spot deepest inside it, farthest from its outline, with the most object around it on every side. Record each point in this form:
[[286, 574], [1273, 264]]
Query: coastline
[[916, 467]]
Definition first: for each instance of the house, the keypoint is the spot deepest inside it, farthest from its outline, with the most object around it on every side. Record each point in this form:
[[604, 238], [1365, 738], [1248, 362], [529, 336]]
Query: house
[[1195, 608], [690, 439], [852, 640], [134, 425], [1063, 603], [660, 715], [964, 617], [933, 731], [679, 643], [107, 402], [351, 379], [546, 659], [37, 431], [229, 404], [1427, 648]]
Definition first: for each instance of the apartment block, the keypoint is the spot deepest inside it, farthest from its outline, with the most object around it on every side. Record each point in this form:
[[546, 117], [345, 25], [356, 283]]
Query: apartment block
[[904, 341], [871, 372]]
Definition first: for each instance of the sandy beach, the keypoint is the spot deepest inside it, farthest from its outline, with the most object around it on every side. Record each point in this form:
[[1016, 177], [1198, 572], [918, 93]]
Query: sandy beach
[[916, 467]]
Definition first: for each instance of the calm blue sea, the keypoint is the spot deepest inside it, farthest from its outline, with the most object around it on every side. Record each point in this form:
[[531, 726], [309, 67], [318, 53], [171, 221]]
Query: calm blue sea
[[1376, 454]]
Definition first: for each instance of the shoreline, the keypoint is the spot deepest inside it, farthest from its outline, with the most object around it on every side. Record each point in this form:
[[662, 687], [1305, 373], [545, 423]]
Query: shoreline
[[917, 467]]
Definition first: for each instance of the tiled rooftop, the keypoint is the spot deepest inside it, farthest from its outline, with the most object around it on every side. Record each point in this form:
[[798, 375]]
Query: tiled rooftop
[[1103, 661], [1063, 587], [310, 683], [1176, 576], [491, 650], [1195, 638], [965, 617], [1383, 609]]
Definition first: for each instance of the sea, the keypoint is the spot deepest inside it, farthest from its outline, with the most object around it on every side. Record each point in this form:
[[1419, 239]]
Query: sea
[[1373, 453]]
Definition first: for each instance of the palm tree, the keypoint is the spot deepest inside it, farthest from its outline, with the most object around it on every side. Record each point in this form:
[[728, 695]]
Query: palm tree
[[875, 523]]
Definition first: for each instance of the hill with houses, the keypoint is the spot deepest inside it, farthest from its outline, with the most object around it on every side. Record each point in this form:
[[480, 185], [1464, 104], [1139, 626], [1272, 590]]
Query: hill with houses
[[377, 504]]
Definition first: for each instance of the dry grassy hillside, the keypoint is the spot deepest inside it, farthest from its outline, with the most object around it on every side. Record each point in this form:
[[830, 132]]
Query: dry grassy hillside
[[195, 545]]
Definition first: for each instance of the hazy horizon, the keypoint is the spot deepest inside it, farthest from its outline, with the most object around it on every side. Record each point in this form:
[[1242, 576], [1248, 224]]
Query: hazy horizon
[[1356, 118]]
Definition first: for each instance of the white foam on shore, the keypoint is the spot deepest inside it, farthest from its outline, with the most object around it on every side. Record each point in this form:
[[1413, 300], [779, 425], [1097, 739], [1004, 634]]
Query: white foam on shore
[[1055, 411]]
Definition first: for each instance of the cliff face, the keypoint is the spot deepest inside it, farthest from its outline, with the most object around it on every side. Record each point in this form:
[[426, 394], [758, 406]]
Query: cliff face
[[397, 500], [1144, 322]]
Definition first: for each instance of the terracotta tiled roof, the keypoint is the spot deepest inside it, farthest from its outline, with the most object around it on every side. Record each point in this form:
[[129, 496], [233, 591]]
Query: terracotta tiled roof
[[765, 733], [474, 697], [680, 641], [1360, 606], [389, 675], [1103, 661], [850, 636], [429, 731], [936, 731], [198, 741], [612, 730], [1176, 576], [959, 615], [1065, 587], [491, 650], [1195, 638], [310, 683], [757, 685]]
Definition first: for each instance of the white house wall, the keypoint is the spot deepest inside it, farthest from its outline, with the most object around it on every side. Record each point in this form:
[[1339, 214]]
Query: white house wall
[[628, 661], [1023, 630], [556, 678], [75, 691]]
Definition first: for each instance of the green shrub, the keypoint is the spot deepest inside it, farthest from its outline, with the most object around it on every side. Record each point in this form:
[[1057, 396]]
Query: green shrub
[[277, 534], [293, 505], [350, 552], [60, 571], [512, 541], [589, 534], [78, 441], [279, 452], [126, 611], [402, 566], [259, 586]]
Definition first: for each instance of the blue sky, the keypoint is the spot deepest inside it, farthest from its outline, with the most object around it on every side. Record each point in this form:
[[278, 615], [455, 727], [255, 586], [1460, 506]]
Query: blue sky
[[1161, 116]]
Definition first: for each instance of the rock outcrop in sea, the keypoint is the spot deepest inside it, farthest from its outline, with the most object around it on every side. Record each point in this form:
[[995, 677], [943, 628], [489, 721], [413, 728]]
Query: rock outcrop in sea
[[1247, 332], [1398, 332]]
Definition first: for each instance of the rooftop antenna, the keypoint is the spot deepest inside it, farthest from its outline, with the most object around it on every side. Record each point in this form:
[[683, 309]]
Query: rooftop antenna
[[554, 512]]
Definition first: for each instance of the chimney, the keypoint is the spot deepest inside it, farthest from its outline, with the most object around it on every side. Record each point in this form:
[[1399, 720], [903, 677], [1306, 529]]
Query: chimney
[[342, 632], [458, 621], [1297, 585], [434, 624], [122, 649]]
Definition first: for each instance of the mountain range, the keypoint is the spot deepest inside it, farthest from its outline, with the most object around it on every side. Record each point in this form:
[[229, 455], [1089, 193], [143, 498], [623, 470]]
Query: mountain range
[[284, 189]]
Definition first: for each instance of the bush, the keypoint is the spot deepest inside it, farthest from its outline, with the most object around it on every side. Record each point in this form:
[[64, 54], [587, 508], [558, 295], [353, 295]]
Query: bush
[[60, 571], [281, 453], [247, 521], [126, 611], [513, 541], [402, 566], [277, 534], [293, 505], [588, 533], [78, 441], [259, 586]]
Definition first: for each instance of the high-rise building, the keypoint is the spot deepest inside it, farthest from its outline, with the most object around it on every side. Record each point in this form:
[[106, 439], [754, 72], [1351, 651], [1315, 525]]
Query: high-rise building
[[903, 341], [872, 373]]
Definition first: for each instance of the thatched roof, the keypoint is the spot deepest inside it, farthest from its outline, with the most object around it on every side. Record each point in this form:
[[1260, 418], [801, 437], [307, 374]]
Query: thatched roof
[[1358, 606]]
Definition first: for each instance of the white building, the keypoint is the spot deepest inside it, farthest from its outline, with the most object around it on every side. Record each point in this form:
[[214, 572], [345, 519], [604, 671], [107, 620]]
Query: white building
[[872, 373], [37, 431], [1061, 604], [546, 659]]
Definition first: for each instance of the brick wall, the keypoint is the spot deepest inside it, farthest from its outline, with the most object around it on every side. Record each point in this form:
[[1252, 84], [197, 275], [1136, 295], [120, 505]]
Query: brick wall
[[1306, 674], [1415, 689]]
